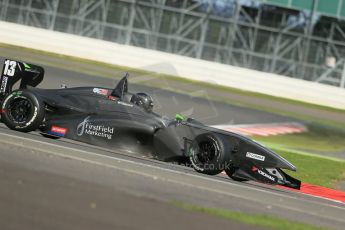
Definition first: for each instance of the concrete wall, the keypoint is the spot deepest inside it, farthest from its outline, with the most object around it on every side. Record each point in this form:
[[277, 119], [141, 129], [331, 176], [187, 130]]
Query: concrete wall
[[171, 64]]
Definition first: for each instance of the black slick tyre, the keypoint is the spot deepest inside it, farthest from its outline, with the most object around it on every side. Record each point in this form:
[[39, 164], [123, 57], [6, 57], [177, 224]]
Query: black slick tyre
[[22, 111], [208, 153]]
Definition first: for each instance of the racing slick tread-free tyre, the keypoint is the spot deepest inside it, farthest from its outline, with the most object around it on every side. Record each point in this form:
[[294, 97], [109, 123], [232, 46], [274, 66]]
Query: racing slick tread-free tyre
[[208, 153], [22, 111]]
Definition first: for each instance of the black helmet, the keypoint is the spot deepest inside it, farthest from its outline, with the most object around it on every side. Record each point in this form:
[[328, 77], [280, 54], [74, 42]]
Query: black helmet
[[143, 100]]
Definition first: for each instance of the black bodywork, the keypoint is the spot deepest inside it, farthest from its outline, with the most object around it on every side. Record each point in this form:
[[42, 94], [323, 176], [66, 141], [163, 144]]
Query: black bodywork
[[106, 117]]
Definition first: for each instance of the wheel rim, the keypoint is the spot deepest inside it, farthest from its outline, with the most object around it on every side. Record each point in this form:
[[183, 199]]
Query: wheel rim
[[20, 110], [207, 152]]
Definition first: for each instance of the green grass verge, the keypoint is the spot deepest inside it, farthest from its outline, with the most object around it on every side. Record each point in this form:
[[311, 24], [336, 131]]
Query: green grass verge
[[320, 169], [320, 139], [251, 219], [315, 170]]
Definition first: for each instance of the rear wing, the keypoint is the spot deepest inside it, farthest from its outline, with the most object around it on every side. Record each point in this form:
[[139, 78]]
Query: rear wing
[[13, 71]]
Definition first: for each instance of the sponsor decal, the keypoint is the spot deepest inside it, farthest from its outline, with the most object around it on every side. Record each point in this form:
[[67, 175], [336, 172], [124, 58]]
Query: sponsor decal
[[266, 175], [255, 156], [5, 102], [86, 127], [3, 84], [8, 98], [192, 157], [112, 98], [100, 91], [215, 143], [14, 94], [58, 131], [17, 93], [33, 117], [262, 173]]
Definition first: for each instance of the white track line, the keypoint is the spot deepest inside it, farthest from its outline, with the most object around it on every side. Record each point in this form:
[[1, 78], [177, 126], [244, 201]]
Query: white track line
[[171, 171]]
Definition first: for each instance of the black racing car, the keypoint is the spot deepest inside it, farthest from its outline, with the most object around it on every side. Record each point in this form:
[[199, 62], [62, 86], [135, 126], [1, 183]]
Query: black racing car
[[118, 119]]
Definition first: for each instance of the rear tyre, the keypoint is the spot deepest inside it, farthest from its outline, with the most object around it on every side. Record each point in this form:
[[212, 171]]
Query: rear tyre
[[230, 172], [22, 111], [208, 153]]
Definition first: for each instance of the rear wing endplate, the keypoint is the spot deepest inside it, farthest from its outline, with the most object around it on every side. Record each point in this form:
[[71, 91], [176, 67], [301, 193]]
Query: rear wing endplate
[[13, 71]]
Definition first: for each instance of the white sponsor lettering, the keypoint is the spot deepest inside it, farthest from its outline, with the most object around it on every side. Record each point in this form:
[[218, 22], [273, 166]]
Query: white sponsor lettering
[[100, 91], [3, 84], [87, 127], [33, 118], [266, 175], [255, 156], [193, 160], [6, 100]]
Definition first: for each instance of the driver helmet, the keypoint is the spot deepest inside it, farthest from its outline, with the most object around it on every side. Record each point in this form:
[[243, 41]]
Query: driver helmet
[[143, 100]]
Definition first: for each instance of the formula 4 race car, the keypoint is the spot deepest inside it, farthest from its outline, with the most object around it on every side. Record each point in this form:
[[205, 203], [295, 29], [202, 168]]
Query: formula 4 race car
[[118, 119]]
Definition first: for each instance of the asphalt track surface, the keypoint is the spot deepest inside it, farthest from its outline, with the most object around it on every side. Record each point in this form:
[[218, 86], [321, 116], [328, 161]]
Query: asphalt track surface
[[61, 184]]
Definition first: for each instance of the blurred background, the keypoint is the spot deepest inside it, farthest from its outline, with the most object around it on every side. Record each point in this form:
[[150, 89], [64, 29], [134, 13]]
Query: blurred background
[[300, 39]]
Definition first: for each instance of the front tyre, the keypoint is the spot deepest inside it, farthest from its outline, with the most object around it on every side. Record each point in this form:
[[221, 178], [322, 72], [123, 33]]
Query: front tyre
[[22, 111], [208, 153]]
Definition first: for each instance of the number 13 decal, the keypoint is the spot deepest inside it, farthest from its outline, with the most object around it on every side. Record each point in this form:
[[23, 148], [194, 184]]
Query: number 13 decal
[[10, 68]]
